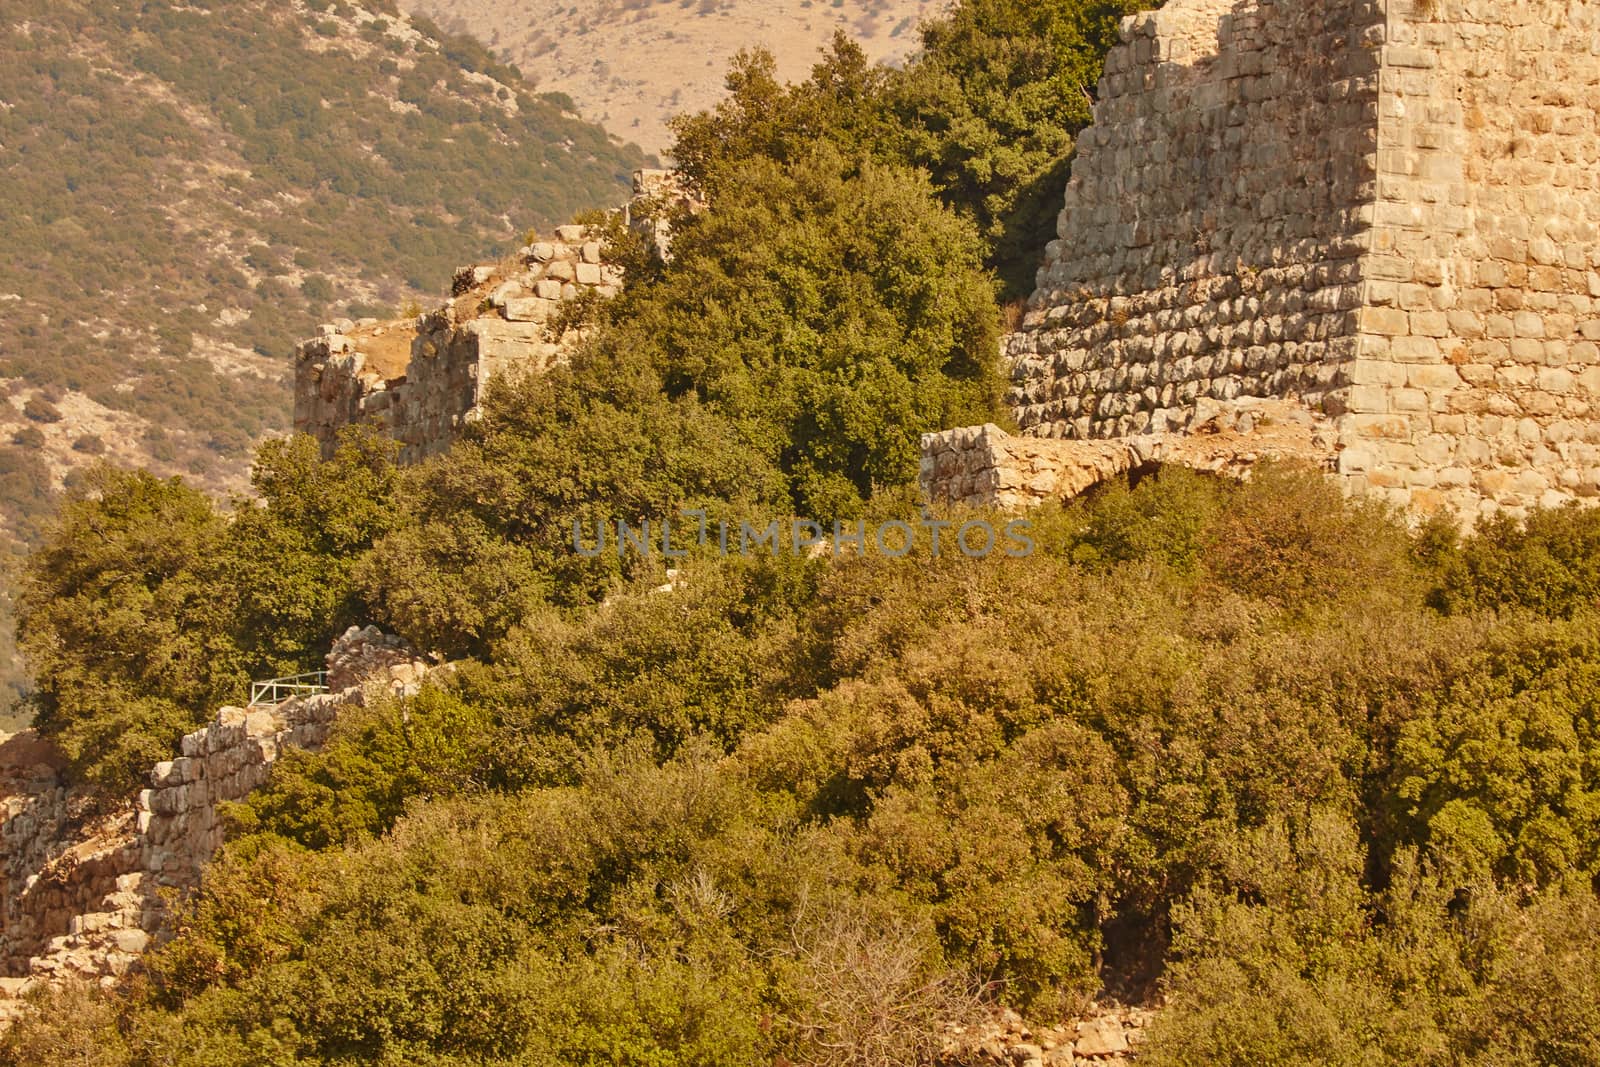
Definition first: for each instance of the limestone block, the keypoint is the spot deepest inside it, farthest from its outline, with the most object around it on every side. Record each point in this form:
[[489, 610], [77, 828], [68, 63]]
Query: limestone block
[[529, 309]]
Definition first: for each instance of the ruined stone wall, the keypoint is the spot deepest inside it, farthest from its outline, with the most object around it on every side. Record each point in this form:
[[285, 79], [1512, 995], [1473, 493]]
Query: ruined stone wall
[[83, 890], [984, 466], [1479, 376], [1386, 210], [1210, 241], [422, 381]]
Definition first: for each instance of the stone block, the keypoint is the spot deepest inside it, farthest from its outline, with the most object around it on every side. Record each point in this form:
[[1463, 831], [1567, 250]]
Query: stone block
[[529, 309], [1387, 322]]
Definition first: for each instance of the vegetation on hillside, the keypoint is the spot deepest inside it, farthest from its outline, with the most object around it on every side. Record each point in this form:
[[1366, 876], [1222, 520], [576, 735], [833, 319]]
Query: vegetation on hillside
[[989, 108], [1335, 823], [1330, 784], [184, 176], [237, 172]]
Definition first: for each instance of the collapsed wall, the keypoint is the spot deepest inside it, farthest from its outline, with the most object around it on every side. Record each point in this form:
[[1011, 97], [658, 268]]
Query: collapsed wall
[[85, 891], [1383, 210], [421, 381]]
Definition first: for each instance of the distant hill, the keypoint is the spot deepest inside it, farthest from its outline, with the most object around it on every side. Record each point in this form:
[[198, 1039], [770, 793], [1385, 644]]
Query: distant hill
[[632, 64], [186, 188]]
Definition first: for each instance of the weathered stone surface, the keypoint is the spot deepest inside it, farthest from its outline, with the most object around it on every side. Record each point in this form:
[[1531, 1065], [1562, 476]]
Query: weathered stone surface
[[421, 381], [1385, 210], [81, 895], [1104, 1035], [985, 466]]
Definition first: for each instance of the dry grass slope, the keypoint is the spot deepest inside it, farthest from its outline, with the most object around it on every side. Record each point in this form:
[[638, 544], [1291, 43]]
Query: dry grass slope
[[632, 64]]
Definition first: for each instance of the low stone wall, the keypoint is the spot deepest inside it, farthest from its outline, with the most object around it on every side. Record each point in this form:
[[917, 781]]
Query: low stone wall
[[984, 466], [84, 894]]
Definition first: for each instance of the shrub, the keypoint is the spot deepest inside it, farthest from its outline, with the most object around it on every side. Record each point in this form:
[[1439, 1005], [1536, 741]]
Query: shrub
[[41, 410], [129, 645]]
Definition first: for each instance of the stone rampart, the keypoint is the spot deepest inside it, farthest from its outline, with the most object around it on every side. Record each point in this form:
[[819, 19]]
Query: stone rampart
[[1210, 242], [1477, 383], [422, 380]]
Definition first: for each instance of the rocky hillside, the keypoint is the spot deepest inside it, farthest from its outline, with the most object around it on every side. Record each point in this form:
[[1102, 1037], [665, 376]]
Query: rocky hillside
[[191, 187], [632, 64]]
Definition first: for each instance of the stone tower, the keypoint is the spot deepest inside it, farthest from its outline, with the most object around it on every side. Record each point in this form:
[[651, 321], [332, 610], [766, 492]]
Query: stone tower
[[1378, 215]]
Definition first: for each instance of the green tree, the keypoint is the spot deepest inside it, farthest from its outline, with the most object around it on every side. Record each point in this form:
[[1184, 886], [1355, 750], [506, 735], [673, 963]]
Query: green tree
[[992, 107], [120, 620], [290, 559]]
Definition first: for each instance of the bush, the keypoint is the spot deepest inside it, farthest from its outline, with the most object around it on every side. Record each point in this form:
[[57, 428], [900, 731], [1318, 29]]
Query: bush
[[1548, 563], [28, 437], [41, 410], [129, 645]]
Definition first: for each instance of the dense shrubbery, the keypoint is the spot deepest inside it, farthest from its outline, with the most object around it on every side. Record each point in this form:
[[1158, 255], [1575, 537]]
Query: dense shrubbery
[[145, 607], [989, 108], [1346, 827], [1329, 782]]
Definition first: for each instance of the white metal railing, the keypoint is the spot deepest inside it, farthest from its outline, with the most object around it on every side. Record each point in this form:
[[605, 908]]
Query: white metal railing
[[279, 690]]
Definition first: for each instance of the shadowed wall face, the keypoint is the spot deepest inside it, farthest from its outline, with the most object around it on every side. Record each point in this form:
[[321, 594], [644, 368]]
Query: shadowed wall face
[[1213, 228], [1387, 210]]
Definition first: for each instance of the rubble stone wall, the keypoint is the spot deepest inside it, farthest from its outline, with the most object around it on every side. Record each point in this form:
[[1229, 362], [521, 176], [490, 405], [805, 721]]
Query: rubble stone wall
[[1386, 210], [983, 466], [421, 381], [502, 318]]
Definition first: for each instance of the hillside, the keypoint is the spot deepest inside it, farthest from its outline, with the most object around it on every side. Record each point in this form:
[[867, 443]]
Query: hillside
[[673, 718], [191, 187], [633, 64]]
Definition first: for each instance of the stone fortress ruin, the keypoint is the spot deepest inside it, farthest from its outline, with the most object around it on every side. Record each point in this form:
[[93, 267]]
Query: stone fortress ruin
[[422, 380], [1365, 227], [1362, 233]]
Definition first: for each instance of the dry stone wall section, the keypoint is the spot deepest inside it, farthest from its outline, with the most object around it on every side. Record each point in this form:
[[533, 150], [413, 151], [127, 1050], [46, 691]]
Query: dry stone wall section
[[422, 381], [86, 892], [1211, 238]]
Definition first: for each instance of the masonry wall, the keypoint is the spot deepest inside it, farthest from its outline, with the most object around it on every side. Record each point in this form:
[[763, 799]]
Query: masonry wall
[[1211, 236], [421, 382], [1479, 375], [85, 893]]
